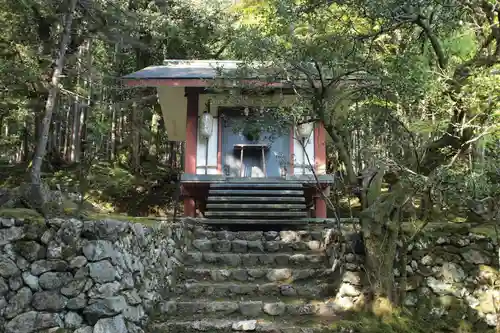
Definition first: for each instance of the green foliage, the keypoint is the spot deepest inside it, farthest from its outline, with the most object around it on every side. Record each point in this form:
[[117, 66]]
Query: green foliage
[[408, 85], [109, 40]]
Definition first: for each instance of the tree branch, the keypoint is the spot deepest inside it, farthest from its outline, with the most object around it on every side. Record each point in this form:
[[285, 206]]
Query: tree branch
[[436, 45]]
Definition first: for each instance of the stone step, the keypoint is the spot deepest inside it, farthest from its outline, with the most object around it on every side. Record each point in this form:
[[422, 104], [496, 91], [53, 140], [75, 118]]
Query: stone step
[[243, 325], [247, 309], [254, 291], [244, 246], [262, 192], [260, 274], [255, 206], [197, 258], [288, 236], [254, 199], [252, 185], [255, 213]]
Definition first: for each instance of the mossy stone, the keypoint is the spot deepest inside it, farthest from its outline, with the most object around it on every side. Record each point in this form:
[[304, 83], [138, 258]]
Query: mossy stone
[[30, 250], [35, 230]]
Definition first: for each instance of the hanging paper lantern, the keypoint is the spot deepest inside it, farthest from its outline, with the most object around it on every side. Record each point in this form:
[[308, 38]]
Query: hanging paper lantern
[[206, 126], [304, 130]]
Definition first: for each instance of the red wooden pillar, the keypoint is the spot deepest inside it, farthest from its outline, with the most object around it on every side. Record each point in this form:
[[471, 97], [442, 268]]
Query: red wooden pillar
[[292, 143], [320, 165], [192, 96]]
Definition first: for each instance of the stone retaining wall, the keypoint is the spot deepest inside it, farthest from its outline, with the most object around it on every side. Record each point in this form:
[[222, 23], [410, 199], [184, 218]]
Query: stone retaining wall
[[85, 276], [450, 272], [106, 276]]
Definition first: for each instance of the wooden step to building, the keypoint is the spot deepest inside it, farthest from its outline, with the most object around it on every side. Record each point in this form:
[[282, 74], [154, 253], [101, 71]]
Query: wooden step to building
[[250, 221], [254, 214], [254, 199], [260, 192], [278, 206], [255, 202], [252, 185]]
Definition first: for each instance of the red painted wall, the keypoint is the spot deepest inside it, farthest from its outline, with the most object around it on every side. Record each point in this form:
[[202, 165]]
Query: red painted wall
[[191, 131]]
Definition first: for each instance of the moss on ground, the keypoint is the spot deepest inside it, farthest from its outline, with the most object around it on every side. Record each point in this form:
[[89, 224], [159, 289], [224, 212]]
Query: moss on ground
[[31, 215], [402, 321], [147, 221], [447, 228], [21, 213]]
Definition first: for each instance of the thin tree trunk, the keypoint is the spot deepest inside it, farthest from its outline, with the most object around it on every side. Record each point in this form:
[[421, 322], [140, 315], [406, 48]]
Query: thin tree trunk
[[41, 148], [153, 146], [86, 109], [122, 129], [77, 120], [136, 136], [67, 134], [25, 147], [5, 129], [114, 111], [112, 142], [58, 127]]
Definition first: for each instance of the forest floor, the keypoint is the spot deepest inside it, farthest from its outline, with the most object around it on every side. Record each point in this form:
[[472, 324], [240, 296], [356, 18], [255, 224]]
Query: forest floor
[[107, 188]]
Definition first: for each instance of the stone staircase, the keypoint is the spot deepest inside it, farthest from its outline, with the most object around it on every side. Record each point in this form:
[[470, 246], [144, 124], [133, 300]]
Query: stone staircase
[[264, 281]]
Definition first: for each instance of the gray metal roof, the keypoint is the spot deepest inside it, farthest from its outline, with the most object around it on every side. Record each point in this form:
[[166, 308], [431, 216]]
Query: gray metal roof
[[228, 69], [188, 69]]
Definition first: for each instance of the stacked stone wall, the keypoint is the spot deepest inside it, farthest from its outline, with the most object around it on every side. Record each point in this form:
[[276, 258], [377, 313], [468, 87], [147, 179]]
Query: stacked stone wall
[[85, 276], [448, 271], [111, 276]]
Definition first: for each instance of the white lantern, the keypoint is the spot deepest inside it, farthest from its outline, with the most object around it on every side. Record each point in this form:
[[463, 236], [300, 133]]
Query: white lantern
[[206, 126], [304, 130]]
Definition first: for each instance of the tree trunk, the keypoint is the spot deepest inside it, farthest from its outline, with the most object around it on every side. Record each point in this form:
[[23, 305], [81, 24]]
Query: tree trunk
[[75, 132], [122, 127], [5, 130], [136, 136], [41, 148], [380, 252], [380, 223], [343, 153], [113, 139], [25, 147], [88, 103]]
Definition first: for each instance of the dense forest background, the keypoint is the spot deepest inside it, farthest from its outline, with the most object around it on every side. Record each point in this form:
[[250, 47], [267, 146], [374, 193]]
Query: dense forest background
[[99, 130]]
